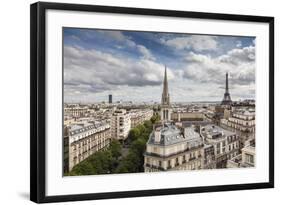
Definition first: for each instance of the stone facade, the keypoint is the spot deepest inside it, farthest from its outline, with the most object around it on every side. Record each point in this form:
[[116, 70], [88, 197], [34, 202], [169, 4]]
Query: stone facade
[[241, 121], [246, 159], [225, 143], [82, 140], [187, 116], [139, 116], [171, 148], [76, 111], [120, 125]]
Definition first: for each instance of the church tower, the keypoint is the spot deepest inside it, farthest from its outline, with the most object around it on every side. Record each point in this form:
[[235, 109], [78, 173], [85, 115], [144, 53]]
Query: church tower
[[165, 102], [226, 98]]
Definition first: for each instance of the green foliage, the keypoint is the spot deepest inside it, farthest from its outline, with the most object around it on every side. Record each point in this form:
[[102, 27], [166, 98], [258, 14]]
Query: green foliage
[[111, 160], [100, 163], [155, 118], [133, 162], [133, 134], [115, 149]]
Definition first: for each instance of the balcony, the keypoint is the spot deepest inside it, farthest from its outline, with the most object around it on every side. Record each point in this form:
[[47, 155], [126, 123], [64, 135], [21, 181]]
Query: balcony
[[154, 167], [173, 154]]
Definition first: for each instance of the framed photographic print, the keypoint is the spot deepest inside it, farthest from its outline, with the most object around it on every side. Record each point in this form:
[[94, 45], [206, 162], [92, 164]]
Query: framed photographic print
[[129, 102]]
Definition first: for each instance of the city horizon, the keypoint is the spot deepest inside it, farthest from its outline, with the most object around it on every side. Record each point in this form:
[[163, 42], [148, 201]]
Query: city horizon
[[157, 102]]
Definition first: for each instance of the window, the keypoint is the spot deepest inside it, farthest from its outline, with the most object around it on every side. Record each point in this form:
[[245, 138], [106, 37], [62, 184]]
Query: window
[[192, 155], [183, 159], [218, 150], [192, 166], [177, 161], [169, 163], [218, 146], [155, 149], [249, 158]]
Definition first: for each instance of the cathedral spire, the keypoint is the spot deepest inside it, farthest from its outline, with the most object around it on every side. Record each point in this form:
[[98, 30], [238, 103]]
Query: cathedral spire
[[165, 103], [165, 94]]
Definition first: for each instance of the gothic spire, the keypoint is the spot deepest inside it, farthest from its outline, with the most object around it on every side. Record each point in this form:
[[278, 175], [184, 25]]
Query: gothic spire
[[165, 94]]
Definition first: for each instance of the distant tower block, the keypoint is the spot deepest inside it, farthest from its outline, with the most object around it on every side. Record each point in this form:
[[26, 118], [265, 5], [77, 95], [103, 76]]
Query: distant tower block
[[110, 99], [226, 98]]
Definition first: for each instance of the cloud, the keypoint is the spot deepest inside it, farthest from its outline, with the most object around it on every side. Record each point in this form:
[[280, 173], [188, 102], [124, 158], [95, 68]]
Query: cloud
[[116, 35], [239, 55], [110, 36], [127, 41], [239, 62], [195, 42], [238, 44], [96, 71], [130, 65], [145, 52]]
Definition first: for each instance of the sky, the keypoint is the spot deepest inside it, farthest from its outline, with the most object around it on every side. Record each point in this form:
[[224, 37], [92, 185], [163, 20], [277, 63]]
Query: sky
[[130, 66]]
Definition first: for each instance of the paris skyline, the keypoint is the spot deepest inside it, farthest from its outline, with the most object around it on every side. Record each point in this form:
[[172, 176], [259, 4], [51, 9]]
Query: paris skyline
[[130, 65]]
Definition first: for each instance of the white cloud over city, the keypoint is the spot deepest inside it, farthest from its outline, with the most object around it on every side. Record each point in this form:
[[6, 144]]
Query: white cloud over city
[[130, 66]]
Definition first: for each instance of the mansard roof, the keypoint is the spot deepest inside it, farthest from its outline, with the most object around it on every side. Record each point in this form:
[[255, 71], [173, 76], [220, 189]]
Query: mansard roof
[[171, 134]]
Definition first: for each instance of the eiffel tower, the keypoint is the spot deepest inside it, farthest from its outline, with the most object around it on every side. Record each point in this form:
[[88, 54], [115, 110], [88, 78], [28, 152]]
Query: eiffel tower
[[226, 98]]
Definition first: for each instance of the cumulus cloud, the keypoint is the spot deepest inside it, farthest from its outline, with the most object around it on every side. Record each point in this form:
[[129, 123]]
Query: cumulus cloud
[[195, 42], [96, 71], [238, 44], [239, 62], [145, 52], [131, 66], [116, 35], [239, 55]]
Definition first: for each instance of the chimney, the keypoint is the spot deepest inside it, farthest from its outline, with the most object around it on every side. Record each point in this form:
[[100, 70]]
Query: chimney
[[157, 136]]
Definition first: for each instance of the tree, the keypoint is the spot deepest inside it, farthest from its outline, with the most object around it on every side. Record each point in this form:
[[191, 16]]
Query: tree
[[139, 146], [148, 125], [155, 118], [115, 149], [84, 168], [121, 169], [101, 162], [141, 128], [134, 134], [129, 164], [111, 160]]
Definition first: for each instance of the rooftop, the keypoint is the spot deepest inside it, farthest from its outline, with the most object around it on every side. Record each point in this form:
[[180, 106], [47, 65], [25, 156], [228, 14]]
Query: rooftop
[[211, 130], [171, 134], [245, 111], [84, 126]]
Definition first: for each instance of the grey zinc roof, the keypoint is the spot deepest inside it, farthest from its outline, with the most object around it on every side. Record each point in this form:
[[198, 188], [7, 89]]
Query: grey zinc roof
[[84, 126], [75, 127], [170, 134], [213, 130]]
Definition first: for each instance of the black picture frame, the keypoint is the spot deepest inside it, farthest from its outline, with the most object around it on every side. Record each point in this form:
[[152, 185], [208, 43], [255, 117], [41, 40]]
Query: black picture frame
[[38, 100]]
